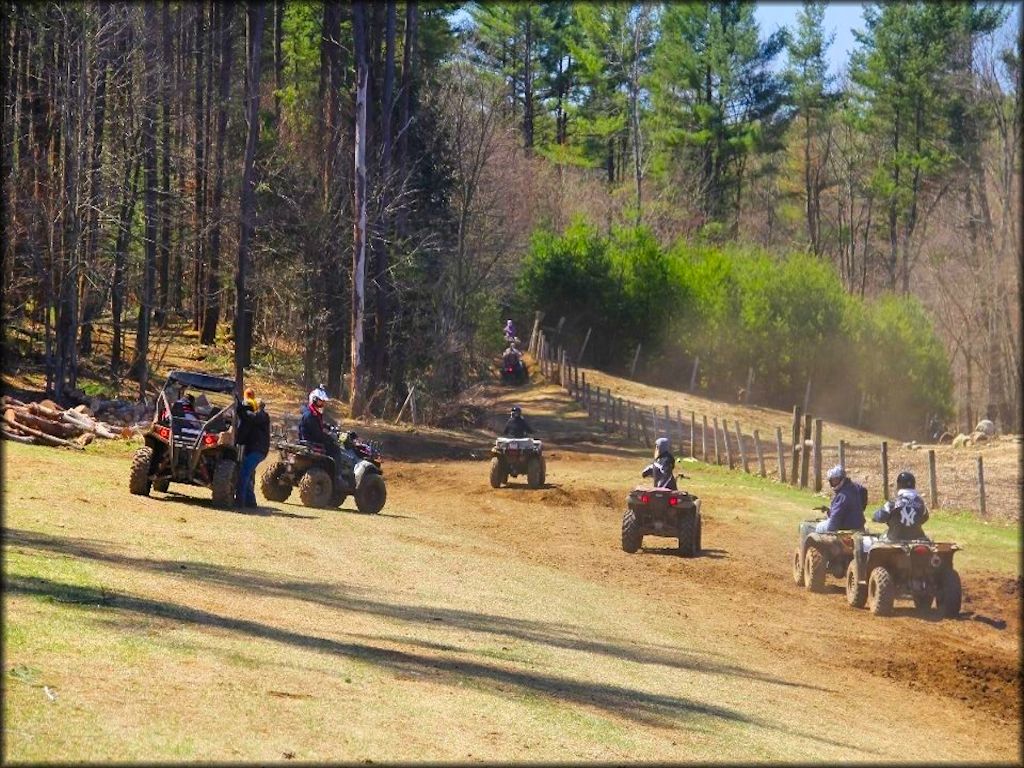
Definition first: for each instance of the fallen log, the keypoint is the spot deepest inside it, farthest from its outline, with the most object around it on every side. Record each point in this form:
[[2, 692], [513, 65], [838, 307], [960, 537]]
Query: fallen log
[[88, 425], [46, 438], [55, 428], [7, 433]]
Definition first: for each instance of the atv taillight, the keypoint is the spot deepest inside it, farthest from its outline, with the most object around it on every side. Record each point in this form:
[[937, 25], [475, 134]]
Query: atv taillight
[[209, 440], [673, 501], [164, 433], [921, 549], [508, 370], [645, 498]]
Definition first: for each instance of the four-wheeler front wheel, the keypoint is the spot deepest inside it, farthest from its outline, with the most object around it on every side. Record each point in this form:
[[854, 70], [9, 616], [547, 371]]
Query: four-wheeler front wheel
[[499, 474], [138, 482], [371, 494], [798, 568], [856, 593], [534, 473], [814, 570]]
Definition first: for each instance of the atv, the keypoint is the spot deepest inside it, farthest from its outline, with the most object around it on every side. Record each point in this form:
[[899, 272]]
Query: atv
[[514, 373], [190, 440], [662, 512], [518, 456], [820, 554], [882, 570], [323, 485]]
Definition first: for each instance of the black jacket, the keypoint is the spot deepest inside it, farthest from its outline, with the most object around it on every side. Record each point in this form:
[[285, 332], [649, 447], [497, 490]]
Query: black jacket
[[905, 515], [517, 427], [661, 470], [253, 430]]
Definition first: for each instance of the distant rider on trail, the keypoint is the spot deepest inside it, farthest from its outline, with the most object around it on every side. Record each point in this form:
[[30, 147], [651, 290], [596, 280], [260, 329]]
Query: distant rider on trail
[[906, 513], [849, 499], [661, 469], [510, 331], [516, 425]]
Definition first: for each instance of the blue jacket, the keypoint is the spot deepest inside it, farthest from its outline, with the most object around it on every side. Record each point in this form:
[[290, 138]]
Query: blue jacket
[[847, 510], [311, 428], [904, 515]]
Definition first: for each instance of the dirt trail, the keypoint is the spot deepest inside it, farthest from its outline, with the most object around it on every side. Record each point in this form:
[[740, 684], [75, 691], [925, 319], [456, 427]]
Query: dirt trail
[[742, 586]]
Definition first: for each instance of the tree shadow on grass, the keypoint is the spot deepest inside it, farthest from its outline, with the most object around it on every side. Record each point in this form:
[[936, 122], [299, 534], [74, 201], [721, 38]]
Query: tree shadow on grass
[[661, 710], [335, 596]]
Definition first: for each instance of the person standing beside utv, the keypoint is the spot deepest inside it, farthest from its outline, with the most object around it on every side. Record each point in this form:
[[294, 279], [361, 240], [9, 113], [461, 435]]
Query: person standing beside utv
[[254, 435], [906, 514]]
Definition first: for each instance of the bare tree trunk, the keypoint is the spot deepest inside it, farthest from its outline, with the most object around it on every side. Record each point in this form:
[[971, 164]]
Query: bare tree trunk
[[165, 182], [247, 206], [199, 205], [528, 81], [359, 34], [382, 315], [405, 111], [212, 314], [140, 365]]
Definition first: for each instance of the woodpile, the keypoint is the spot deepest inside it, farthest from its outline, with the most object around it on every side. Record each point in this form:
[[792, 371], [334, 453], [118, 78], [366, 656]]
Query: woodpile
[[46, 423]]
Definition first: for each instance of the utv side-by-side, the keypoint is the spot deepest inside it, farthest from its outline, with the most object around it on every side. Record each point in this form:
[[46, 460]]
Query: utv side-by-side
[[191, 439]]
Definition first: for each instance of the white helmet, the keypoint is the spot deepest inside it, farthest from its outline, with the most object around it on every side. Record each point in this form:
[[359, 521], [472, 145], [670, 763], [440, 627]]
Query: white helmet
[[318, 394], [661, 444]]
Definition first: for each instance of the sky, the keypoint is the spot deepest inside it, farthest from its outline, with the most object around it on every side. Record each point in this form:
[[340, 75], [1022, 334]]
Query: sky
[[841, 18]]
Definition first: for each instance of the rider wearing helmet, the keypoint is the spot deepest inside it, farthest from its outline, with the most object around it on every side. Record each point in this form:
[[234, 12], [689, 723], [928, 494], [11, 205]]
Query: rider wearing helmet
[[906, 513], [849, 499], [311, 425], [661, 468], [516, 425], [510, 330]]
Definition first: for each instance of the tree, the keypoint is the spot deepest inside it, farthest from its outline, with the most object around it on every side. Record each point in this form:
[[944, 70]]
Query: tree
[[809, 83], [715, 100], [255, 11], [614, 50], [360, 33]]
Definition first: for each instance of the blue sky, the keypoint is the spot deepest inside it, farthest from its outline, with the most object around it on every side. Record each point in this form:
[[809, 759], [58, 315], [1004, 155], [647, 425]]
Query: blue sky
[[841, 18]]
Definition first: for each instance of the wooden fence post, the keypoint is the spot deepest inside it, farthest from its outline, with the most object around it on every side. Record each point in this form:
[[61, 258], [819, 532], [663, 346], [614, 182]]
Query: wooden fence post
[[586, 396], [576, 381], [682, 431], [693, 435], [629, 420], [654, 421], [805, 455], [533, 335], [782, 456], [817, 455], [760, 455], [693, 376], [728, 447], [932, 481], [842, 454], [743, 450], [636, 356], [885, 469], [794, 471], [981, 486], [608, 407], [704, 438], [718, 452], [583, 348], [643, 427], [807, 396]]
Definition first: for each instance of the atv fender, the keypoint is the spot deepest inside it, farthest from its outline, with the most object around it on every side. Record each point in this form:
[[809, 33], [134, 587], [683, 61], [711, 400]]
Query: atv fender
[[362, 468]]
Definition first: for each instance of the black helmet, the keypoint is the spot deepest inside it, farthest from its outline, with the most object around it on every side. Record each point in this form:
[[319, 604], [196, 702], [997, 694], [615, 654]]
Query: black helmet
[[905, 480], [516, 410]]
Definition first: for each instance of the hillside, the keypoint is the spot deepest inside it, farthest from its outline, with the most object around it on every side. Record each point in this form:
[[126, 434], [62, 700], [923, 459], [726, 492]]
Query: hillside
[[466, 623]]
